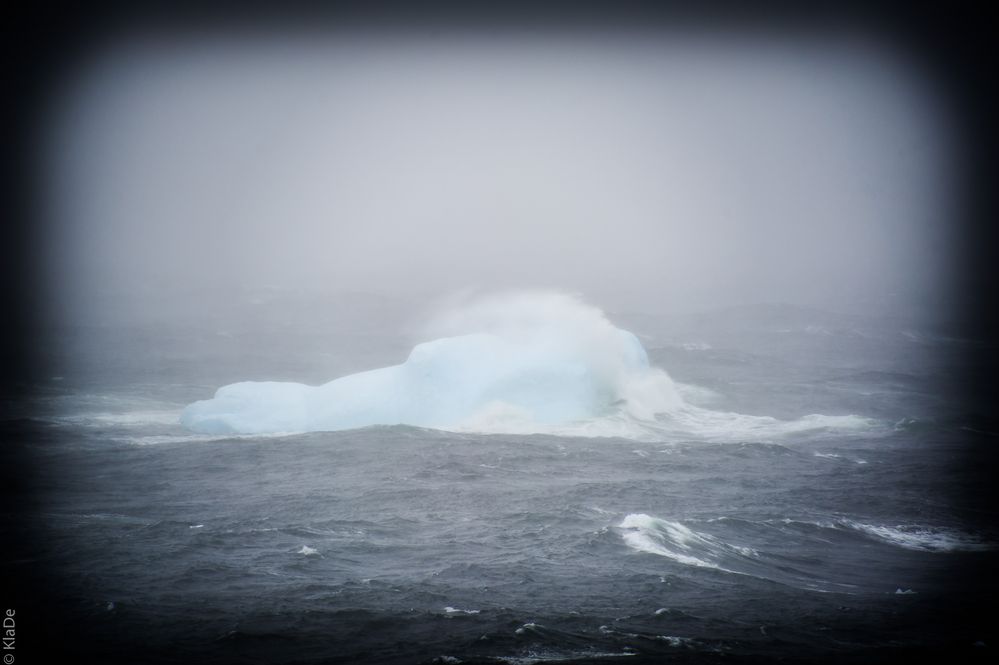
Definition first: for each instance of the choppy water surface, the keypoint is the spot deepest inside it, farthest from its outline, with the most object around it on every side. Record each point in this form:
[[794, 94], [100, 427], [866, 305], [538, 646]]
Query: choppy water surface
[[403, 544]]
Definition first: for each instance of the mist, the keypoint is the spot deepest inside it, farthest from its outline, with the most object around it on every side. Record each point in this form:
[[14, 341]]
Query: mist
[[645, 170]]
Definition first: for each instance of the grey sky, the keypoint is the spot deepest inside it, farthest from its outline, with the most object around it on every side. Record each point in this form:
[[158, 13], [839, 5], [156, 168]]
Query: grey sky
[[633, 168]]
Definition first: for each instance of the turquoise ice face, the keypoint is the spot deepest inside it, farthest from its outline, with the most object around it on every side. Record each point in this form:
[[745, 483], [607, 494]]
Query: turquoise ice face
[[544, 375]]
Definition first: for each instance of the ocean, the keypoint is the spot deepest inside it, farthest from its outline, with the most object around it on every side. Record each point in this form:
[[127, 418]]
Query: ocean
[[862, 532]]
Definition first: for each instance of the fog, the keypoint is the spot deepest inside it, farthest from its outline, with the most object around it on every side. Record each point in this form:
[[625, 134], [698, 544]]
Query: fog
[[645, 170]]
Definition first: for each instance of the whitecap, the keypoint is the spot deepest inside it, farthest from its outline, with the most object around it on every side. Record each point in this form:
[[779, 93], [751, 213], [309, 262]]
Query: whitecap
[[455, 610], [529, 626], [922, 538], [673, 540]]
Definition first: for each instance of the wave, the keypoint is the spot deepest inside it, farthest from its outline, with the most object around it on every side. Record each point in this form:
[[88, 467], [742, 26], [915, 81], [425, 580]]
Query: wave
[[161, 439], [673, 540], [519, 363], [763, 546], [919, 537], [540, 656], [454, 610], [922, 538], [126, 419]]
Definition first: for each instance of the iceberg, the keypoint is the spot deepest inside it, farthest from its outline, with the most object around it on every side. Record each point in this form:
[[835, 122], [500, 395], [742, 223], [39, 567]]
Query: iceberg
[[547, 359], [527, 362]]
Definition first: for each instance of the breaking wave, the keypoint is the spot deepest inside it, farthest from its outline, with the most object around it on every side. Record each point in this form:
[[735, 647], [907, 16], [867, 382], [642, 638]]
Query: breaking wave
[[673, 540], [926, 539], [759, 548]]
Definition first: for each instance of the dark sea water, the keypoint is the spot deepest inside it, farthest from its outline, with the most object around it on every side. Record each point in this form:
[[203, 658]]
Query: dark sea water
[[147, 543]]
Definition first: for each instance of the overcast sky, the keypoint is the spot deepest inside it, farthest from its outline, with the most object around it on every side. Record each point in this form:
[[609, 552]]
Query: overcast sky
[[630, 167]]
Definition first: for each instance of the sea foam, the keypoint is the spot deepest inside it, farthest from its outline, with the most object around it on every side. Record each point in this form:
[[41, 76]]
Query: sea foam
[[524, 363]]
